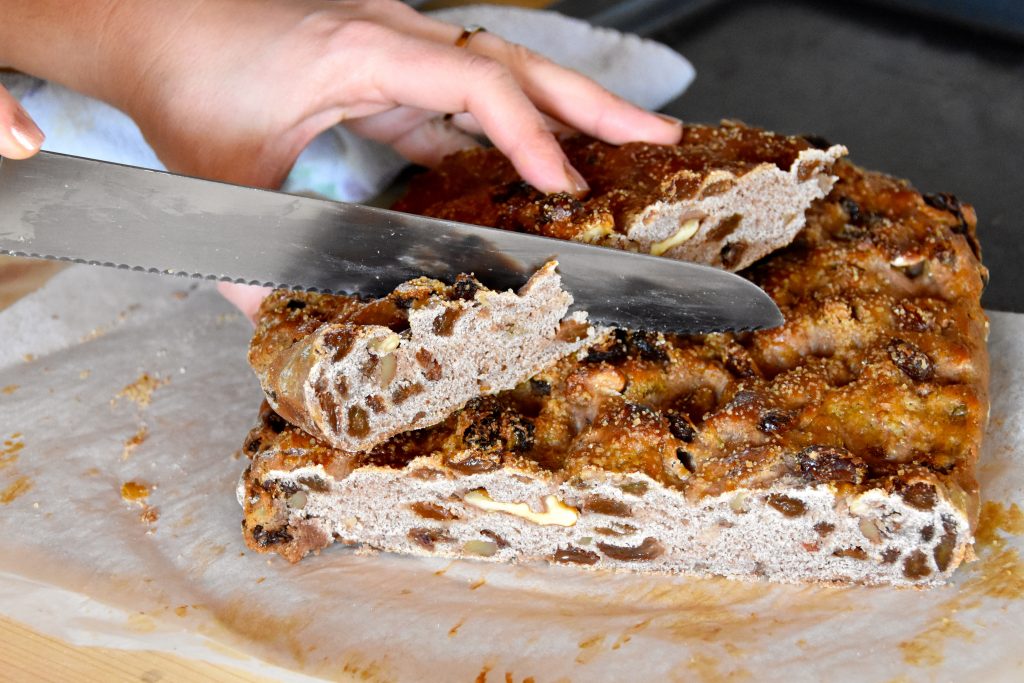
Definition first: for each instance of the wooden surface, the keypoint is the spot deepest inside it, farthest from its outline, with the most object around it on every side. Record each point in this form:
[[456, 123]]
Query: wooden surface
[[27, 656]]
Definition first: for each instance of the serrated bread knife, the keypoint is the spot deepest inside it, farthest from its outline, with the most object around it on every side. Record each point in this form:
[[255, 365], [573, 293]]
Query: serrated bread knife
[[73, 209]]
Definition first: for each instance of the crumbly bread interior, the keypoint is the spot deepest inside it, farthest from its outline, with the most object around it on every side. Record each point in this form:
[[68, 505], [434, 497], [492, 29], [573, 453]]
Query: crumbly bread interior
[[840, 446], [795, 529], [725, 196], [356, 373]]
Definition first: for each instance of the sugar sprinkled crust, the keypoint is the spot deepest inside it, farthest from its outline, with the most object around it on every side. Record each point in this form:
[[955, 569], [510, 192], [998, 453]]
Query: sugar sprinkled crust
[[838, 447], [356, 373], [725, 196]]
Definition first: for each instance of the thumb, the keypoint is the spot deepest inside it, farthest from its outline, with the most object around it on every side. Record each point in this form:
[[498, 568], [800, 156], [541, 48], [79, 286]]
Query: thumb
[[20, 137]]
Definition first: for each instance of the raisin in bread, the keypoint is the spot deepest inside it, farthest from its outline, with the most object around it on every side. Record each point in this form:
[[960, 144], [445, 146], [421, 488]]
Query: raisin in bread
[[839, 447], [725, 196], [354, 373]]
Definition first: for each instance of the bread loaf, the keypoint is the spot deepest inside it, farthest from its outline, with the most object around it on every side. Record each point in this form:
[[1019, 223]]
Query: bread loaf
[[840, 447]]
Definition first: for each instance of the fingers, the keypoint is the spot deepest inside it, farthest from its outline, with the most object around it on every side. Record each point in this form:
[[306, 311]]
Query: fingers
[[246, 298], [576, 100], [420, 136], [566, 95], [443, 78], [431, 142], [466, 123], [19, 136]]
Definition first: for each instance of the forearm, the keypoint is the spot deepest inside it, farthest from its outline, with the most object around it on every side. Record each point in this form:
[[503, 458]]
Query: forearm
[[235, 89], [97, 47], [56, 40]]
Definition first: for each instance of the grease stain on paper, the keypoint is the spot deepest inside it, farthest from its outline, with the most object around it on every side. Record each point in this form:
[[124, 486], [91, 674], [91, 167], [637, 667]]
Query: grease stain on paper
[[927, 648], [134, 441], [998, 574], [627, 634], [704, 609], [708, 669], [996, 519], [372, 671], [10, 448], [278, 638], [140, 622], [697, 613], [589, 648], [17, 489]]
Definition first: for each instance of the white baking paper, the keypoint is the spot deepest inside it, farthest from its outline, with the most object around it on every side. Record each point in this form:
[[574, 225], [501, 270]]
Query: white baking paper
[[80, 562]]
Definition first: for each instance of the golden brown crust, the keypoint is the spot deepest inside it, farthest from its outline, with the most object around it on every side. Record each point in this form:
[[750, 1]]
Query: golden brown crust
[[482, 187], [877, 380], [641, 196]]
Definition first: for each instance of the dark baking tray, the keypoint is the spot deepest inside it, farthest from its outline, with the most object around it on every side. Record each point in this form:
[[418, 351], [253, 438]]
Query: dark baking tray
[[932, 98]]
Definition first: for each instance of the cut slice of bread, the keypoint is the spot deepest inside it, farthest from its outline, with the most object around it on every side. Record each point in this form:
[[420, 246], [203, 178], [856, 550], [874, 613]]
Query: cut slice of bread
[[356, 373], [724, 196]]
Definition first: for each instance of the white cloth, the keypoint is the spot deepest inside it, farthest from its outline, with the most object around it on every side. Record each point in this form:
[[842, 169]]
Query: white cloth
[[340, 165]]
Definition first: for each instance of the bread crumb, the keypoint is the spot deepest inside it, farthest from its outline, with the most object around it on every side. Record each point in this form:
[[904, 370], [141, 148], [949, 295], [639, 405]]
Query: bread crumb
[[133, 442], [134, 492], [141, 390]]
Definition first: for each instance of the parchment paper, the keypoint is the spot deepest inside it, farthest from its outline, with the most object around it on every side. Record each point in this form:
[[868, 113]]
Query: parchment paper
[[170, 571]]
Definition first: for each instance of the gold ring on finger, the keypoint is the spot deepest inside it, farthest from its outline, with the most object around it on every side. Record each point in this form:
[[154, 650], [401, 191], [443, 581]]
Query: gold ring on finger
[[467, 34]]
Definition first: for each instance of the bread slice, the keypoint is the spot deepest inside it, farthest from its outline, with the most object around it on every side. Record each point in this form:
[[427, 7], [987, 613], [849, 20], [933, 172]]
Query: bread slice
[[725, 196], [839, 447], [355, 373]]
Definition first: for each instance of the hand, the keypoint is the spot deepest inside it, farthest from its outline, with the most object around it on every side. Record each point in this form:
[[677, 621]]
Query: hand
[[235, 89], [238, 101], [20, 137]]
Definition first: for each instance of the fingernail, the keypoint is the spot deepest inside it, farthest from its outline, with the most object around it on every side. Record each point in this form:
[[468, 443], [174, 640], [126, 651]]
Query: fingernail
[[576, 180], [669, 119], [25, 132]]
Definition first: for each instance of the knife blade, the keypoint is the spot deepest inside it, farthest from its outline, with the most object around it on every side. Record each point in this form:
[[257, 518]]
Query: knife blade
[[70, 208]]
